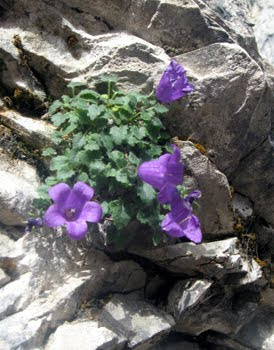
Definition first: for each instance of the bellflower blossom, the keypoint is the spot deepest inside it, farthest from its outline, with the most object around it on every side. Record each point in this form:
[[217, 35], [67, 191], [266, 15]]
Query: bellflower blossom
[[72, 208], [180, 222], [164, 174], [173, 84], [38, 222]]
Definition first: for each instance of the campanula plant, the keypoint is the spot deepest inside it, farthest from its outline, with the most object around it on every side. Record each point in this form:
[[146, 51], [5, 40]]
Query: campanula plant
[[103, 138]]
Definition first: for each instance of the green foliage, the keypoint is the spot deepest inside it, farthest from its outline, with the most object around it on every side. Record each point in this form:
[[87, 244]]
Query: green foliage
[[101, 138]]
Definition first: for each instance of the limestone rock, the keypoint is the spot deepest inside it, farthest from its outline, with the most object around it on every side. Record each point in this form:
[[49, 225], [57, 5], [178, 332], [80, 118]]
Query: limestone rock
[[214, 259], [85, 335], [198, 308], [55, 275], [254, 178], [242, 206], [139, 322], [262, 12], [4, 278], [33, 132], [202, 174], [228, 131], [258, 334]]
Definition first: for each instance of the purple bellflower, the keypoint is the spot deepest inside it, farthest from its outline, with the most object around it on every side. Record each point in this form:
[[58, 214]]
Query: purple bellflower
[[38, 222], [72, 208], [164, 174], [173, 84], [180, 222]]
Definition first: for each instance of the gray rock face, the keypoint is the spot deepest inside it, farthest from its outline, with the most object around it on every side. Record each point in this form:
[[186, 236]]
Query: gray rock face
[[258, 334], [254, 178], [228, 131], [262, 13], [4, 278], [197, 308], [214, 259], [201, 173], [32, 131], [139, 322], [85, 335], [55, 275], [18, 185], [242, 206]]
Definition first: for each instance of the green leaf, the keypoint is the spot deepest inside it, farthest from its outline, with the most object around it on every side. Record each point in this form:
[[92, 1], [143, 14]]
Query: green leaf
[[119, 213], [118, 133], [157, 238], [133, 159], [88, 95], [160, 109], [107, 142], [83, 177], [74, 84], [94, 111], [104, 206], [58, 163], [65, 173], [118, 158], [49, 152], [97, 167], [59, 119], [70, 128], [105, 78], [55, 106], [146, 193]]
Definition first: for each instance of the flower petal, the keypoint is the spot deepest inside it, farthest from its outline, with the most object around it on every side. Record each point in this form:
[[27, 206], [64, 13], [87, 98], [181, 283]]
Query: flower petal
[[53, 217], [77, 229], [175, 167], [79, 195], [171, 227], [59, 193], [91, 212], [167, 193], [154, 171], [192, 229]]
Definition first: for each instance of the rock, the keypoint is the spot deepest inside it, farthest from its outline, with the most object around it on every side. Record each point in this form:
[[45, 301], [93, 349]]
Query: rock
[[242, 206], [33, 132], [258, 334], [62, 274], [176, 342], [198, 307], [16, 196], [85, 335], [214, 259], [202, 174], [229, 132], [237, 20], [254, 178], [262, 12], [4, 278], [142, 324]]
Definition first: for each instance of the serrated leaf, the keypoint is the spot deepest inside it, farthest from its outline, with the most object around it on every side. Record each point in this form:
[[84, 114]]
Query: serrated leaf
[[89, 95], [133, 159], [118, 133], [97, 167], [58, 163], [83, 177], [118, 158], [119, 213], [49, 152], [94, 111], [104, 206], [146, 193], [159, 108], [59, 119], [69, 129], [55, 106], [65, 173], [107, 142]]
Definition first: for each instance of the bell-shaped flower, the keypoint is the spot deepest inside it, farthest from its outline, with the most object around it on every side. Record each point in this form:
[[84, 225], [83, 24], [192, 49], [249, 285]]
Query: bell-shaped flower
[[180, 222], [173, 84], [72, 208], [164, 174], [31, 223]]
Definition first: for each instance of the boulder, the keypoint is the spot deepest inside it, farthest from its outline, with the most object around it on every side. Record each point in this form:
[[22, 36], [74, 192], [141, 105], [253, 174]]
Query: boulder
[[228, 131], [84, 335], [142, 324], [201, 173]]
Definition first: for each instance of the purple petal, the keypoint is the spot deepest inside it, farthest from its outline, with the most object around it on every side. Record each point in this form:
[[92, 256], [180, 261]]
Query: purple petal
[[175, 167], [167, 193], [79, 195], [192, 196], [77, 229], [91, 212], [154, 171], [171, 227], [192, 229], [59, 193], [53, 217], [173, 84]]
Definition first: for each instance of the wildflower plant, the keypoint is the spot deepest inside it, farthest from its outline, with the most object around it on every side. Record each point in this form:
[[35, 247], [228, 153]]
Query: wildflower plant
[[103, 138]]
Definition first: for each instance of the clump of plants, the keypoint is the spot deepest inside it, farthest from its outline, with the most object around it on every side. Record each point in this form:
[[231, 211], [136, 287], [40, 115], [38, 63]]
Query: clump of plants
[[112, 146]]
